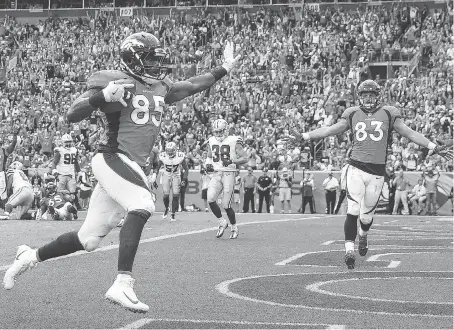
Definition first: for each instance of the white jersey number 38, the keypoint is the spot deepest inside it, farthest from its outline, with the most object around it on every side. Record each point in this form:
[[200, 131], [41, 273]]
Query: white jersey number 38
[[361, 133], [142, 112]]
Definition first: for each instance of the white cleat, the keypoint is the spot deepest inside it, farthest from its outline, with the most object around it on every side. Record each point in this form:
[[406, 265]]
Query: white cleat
[[25, 259], [122, 293], [222, 227], [235, 232], [165, 214]]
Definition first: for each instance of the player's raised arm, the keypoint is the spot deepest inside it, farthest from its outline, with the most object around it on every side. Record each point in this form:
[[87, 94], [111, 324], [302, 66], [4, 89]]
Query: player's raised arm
[[241, 155], [320, 133], [9, 150], [421, 140], [194, 85]]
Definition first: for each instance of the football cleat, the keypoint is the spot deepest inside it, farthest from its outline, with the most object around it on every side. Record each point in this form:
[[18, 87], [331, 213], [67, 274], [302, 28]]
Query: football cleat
[[350, 260], [5, 216], [172, 217], [235, 232], [25, 259], [122, 293], [222, 227], [165, 214], [362, 245]]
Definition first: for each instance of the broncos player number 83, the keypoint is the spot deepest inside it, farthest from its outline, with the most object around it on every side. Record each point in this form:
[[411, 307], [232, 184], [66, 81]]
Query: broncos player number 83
[[132, 101], [371, 125]]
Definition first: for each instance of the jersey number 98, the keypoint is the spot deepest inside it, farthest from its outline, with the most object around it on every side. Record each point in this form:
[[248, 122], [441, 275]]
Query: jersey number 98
[[220, 153], [141, 113], [69, 159]]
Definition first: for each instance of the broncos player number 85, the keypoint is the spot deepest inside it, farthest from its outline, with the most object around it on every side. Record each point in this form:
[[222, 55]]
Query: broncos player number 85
[[371, 125], [132, 101]]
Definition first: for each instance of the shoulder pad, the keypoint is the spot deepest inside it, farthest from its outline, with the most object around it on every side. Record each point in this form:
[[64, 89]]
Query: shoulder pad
[[393, 110], [102, 78], [350, 110]]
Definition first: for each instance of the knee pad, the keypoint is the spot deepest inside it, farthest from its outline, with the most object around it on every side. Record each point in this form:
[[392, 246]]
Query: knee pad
[[353, 208], [366, 219], [211, 198], [90, 243], [144, 203]]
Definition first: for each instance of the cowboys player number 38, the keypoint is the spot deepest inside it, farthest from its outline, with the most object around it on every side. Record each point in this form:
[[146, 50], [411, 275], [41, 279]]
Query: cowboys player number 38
[[371, 125], [132, 101]]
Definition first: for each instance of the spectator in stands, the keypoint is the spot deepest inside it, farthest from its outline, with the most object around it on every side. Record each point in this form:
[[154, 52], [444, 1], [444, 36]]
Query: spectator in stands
[[418, 196]]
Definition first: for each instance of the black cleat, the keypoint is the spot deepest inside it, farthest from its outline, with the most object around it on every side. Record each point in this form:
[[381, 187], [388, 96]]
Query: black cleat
[[350, 260], [362, 245]]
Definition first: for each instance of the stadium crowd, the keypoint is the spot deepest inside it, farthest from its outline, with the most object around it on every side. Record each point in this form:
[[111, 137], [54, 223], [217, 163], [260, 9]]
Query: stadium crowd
[[300, 67]]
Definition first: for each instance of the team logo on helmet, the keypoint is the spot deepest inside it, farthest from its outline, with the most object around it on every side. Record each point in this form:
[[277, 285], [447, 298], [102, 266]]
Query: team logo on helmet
[[220, 129], [143, 56], [369, 93], [171, 149]]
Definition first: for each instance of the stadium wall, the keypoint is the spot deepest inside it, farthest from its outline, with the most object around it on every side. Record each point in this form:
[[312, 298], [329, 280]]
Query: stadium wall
[[194, 191]]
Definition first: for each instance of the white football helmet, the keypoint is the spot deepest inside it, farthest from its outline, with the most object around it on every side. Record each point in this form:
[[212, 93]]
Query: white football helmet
[[16, 165], [171, 149], [220, 129], [67, 140]]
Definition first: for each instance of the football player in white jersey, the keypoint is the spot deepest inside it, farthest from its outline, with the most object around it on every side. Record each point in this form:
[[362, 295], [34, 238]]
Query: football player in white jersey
[[67, 165], [20, 192], [224, 154], [172, 180]]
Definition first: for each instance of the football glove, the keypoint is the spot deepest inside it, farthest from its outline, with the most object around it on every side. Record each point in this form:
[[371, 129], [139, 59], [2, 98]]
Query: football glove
[[152, 180], [229, 60], [183, 183], [226, 162], [443, 151], [210, 168], [116, 91]]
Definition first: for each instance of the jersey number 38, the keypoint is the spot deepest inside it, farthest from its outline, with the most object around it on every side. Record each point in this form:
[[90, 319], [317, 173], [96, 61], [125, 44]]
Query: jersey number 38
[[220, 153]]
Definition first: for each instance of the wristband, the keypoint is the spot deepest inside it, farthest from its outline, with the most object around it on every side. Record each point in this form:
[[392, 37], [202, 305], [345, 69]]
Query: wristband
[[431, 146], [218, 72], [97, 100], [306, 136]]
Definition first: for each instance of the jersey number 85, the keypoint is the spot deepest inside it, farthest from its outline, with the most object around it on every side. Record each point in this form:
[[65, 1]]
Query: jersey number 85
[[141, 113]]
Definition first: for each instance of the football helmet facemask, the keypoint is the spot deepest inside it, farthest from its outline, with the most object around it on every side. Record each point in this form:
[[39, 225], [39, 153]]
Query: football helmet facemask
[[220, 129], [171, 149], [369, 95], [143, 56], [16, 165], [67, 140]]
